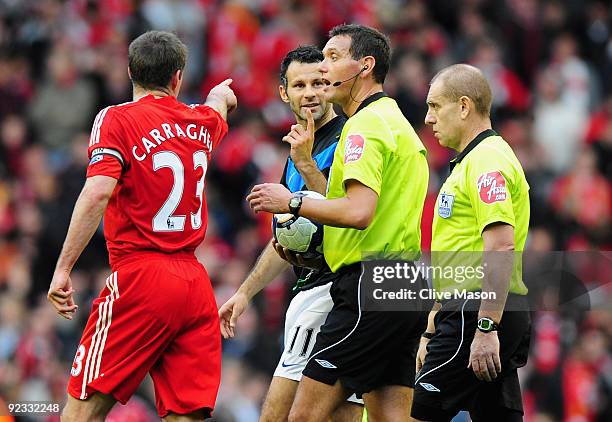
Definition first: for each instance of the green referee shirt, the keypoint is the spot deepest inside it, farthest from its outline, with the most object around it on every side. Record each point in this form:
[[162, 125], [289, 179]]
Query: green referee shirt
[[380, 149], [486, 185]]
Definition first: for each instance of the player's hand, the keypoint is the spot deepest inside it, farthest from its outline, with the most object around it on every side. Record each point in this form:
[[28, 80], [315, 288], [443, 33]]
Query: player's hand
[[60, 294], [301, 140], [270, 197], [230, 311], [225, 93], [421, 353], [297, 259], [484, 356]]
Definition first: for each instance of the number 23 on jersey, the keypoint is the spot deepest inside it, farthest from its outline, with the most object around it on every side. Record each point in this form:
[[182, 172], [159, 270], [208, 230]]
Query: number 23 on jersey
[[164, 220]]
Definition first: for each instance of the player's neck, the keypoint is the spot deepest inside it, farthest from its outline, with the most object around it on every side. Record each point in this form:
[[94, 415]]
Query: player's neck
[[472, 133], [138, 93], [359, 95]]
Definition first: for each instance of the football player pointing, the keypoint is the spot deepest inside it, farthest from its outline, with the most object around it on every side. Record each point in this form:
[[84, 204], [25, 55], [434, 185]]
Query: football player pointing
[[151, 232]]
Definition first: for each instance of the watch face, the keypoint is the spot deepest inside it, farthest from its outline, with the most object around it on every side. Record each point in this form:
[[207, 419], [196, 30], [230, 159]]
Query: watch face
[[294, 202], [485, 324]]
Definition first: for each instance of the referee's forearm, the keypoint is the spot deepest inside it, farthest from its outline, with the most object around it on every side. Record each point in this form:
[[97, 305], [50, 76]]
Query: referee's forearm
[[496, 283], [340, 212], [498, 263]]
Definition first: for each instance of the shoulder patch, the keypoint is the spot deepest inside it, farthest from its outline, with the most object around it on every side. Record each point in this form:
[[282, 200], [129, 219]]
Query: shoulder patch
[[492, 187], [353, 149]]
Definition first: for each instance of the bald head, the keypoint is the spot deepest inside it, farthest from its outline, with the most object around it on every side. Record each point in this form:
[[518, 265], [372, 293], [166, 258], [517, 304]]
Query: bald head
[[461, 80]]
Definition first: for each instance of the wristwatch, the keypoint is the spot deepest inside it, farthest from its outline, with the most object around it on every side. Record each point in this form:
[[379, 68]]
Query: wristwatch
[[486, 325], [295, 203], [427, 335]]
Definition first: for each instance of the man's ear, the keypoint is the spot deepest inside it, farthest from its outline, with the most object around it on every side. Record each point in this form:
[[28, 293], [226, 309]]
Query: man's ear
[[368, 66], [283, 93], [177, 78], [467, 106], [129, 73]]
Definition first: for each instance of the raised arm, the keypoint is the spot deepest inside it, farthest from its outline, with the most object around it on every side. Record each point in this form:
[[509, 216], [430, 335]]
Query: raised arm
[[222, 98]]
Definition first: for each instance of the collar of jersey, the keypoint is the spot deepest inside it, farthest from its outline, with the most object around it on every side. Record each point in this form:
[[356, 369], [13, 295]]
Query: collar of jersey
[[328, 127], [151, 97], [370, 100], [473, 144]]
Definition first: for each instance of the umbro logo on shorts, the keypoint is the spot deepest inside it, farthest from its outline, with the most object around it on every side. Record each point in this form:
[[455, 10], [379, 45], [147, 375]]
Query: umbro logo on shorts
[[326, 364], [429, 387]]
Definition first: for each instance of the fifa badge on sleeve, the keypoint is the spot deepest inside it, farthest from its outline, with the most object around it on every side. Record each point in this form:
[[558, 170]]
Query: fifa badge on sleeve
[[445, 205]]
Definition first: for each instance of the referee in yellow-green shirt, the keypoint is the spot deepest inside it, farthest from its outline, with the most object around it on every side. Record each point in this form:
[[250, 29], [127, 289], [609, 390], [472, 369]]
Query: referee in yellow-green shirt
[[377, 187], [478, 333]]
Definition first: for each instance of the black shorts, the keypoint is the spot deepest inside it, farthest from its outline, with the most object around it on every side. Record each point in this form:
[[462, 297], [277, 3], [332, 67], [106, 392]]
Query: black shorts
[[445, 385], [364, 349]]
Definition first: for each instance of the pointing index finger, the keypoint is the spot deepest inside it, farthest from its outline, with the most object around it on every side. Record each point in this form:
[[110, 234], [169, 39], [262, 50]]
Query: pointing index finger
[[309, 122]]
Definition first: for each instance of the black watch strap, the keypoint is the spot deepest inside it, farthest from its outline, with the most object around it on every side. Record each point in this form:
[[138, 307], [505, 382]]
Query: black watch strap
[[295, 203], [427, 335]]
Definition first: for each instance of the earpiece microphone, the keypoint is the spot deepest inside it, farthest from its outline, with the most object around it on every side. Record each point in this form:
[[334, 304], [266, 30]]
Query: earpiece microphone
[[338, 83]]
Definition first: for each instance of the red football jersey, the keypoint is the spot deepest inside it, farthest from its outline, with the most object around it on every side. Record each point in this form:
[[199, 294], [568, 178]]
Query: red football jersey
[[158, 149]]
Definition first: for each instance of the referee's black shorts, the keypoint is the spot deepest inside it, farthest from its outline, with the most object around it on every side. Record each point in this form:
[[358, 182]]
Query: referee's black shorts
[[364, 349], [445, 385]]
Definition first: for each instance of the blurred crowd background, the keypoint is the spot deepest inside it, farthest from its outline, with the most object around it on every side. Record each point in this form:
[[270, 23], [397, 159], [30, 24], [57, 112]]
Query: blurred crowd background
[[61, 61]]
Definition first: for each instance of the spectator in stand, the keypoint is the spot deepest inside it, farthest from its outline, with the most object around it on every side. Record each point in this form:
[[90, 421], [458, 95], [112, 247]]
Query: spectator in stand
[[472, 29], [412, 84], [15, 87], [603, 149], [586, 378], [13, 141], [558, 125], [584, 197], [598, 37], [578, 88], [599, 134], [509, 93], [187, 19], [64, 103]]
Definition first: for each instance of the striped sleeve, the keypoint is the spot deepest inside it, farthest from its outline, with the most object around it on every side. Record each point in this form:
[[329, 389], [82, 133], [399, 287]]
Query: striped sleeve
[[107, 153]]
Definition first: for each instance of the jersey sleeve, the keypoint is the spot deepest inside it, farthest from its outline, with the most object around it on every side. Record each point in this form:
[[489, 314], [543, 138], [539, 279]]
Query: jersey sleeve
[[364, 153], [488, 185], [107, 152], [215, 123]]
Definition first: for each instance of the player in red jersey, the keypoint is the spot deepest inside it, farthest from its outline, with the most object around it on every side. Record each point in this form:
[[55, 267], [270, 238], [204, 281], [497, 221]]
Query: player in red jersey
[[157, 313]]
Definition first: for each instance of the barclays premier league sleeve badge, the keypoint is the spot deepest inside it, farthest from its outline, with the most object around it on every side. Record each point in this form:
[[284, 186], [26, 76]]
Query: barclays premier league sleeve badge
[[445, 205]]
